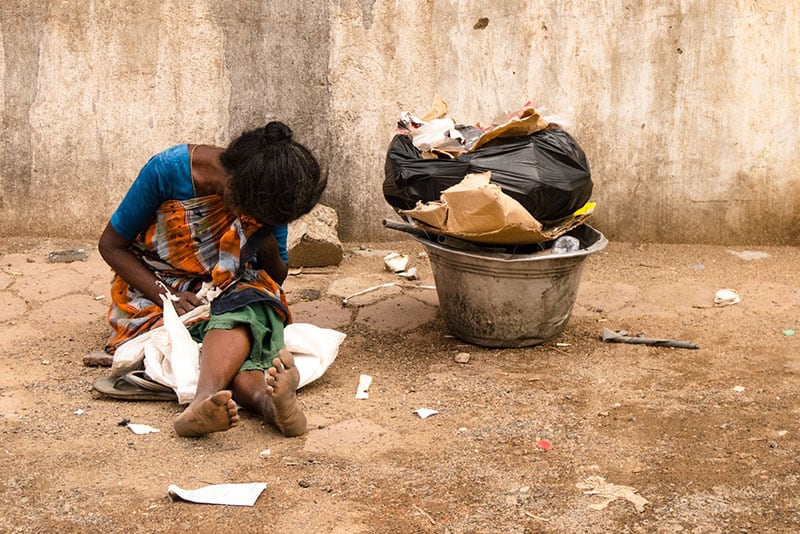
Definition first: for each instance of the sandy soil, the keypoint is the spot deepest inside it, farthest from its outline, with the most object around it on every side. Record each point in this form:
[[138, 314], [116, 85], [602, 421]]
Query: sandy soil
[[708, 437]]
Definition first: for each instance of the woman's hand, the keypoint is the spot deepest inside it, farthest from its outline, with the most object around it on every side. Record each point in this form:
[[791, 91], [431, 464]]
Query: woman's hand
[[115, 249], [187, 301]]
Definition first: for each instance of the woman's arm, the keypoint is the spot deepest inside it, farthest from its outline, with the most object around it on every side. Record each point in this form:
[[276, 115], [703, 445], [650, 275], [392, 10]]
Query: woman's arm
[[269, 259], [115, 250]]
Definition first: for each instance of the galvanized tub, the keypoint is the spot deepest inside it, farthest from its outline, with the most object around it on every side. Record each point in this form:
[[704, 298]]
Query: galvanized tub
[[509, 300]]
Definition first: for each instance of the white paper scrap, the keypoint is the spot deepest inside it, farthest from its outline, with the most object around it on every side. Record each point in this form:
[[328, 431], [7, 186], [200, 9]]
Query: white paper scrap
[[424, 413], [364, 382], [140, 429], [228, 494]]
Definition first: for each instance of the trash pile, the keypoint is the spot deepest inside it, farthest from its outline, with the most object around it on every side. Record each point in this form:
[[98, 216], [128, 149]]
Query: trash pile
[[498, 206], [518, 180]]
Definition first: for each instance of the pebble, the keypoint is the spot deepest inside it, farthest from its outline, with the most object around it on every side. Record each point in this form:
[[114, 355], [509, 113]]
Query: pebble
[[462, 357]]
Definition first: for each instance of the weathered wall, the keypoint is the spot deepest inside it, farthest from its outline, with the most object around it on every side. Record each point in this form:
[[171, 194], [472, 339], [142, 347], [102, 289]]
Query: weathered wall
[[688, 111], [92, 89]]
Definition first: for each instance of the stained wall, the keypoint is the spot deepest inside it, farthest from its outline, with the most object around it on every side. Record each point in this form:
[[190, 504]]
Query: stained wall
[[687, 110]]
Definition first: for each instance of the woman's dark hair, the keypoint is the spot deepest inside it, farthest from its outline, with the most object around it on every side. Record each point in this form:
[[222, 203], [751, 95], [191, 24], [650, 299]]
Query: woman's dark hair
[[274, 179]]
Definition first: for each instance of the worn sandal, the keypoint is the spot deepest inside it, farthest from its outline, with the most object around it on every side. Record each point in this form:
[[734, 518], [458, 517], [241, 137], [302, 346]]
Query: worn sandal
[[140, 378], [121, 388]]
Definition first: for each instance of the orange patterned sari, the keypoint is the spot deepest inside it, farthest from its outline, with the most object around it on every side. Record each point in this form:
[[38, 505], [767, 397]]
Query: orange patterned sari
[[190, 242]]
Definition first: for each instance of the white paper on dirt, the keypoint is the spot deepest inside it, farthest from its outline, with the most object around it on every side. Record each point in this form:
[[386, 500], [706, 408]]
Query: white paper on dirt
[[362, 391], [228, 494]]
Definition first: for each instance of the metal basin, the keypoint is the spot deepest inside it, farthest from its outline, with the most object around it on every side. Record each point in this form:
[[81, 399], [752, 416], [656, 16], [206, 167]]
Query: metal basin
[[509, 300]]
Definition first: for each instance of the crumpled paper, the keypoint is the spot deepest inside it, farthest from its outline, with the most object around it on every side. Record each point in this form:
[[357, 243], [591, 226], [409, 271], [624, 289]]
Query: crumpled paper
[[479, 211], [597, 485]]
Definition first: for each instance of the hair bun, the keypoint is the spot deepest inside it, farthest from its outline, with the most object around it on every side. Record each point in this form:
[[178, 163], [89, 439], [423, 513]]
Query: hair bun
[[277, 132]]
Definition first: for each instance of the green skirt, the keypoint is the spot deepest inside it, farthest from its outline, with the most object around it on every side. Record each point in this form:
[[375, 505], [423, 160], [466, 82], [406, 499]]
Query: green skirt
[[266, 332]]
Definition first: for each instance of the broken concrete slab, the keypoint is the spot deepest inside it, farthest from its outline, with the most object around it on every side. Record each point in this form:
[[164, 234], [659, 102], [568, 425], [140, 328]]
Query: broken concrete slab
[[313, 240], [402, 313]]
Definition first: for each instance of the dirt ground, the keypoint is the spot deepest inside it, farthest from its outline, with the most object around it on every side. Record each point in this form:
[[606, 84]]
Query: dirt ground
[[708, 437]]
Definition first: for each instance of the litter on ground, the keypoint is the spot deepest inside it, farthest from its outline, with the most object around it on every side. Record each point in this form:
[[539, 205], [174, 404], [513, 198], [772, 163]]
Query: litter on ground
[[227, 494], [364, 382], [424, 413], [597, 485]]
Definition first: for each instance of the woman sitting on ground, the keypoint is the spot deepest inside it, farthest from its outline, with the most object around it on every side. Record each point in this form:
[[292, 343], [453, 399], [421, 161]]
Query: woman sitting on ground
[[200, 213]]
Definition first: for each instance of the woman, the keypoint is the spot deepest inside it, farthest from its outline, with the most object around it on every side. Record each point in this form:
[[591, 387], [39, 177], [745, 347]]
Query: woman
[[199, 213]]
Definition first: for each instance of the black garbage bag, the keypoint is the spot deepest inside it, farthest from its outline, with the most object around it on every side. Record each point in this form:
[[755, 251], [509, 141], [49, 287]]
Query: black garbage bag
[[546, 172]]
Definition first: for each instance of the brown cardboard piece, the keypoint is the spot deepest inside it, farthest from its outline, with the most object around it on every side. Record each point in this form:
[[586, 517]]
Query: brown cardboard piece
[[478, 211]]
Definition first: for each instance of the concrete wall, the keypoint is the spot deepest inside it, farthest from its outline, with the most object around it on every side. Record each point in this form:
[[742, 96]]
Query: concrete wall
[[688, 110]]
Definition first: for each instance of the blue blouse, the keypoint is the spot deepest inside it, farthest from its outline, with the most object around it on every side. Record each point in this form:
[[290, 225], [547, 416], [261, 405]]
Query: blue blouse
[[166, 176]]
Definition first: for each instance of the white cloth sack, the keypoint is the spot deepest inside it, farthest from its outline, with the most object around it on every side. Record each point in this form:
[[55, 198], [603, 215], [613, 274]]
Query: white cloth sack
[[171, 357], [128, 356], [314, 349]]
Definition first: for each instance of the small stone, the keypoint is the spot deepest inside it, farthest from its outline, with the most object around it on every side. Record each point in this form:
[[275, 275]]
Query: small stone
[[303, 483], [462, 357]]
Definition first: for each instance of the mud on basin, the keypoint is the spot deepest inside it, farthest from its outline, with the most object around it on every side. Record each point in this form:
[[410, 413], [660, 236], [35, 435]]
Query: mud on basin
[[509, 300]]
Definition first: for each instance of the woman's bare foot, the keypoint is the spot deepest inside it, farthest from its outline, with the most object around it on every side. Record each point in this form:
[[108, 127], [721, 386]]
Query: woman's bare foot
[[211, 414], [282, 380]]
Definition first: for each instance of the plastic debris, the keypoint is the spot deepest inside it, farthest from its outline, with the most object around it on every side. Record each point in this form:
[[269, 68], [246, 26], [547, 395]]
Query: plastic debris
[[788, 332], [544, 445], [597, 485], [738, 389], [395, 262], [566, 243], [140, 429], [364, 382], [410, 274], [265, 453], [78, 412], [462, 357], [726, 297], [424, 413]]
